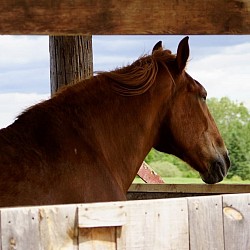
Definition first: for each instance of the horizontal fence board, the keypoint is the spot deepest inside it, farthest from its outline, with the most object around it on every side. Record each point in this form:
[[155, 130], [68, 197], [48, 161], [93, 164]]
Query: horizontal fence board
[[124, 17], [99, 215], [209, 222], [192, 188], [236, 211], [159, 191]]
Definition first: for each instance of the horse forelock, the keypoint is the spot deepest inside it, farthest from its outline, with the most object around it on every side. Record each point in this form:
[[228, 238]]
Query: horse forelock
[[138, 77]]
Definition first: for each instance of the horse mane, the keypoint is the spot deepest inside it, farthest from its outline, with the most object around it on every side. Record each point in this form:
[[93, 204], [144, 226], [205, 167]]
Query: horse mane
[[138, 77]]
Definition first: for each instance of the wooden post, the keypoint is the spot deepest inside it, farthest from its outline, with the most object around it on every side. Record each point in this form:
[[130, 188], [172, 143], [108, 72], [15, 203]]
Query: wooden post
[[71, 59]]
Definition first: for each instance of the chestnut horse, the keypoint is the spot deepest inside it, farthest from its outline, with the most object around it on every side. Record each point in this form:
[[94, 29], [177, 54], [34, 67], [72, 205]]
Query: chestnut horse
[[87, 143]]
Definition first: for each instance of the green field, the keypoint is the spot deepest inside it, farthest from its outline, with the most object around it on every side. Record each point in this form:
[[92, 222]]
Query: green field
[[173, 174], [182, 180]]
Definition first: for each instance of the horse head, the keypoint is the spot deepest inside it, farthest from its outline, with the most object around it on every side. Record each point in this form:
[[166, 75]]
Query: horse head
[[188, 130]]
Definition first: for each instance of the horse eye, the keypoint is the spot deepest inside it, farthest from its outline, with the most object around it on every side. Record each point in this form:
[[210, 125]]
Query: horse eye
[[204, 98]]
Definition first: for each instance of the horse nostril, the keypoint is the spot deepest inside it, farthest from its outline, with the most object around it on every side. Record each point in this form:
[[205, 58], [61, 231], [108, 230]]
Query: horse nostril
[[217, 171], [227, 161], [220, 167], [217, 166]]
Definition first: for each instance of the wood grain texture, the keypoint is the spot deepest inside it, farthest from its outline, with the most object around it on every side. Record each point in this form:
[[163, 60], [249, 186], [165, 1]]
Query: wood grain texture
[[99, 238], [125, 17], [155, 225], [236, 211], [20, 229], [101, 215], [149, 225], [39, 228], [148, 175], [205, 223], [191, 188], [71, 60], [58, 227]]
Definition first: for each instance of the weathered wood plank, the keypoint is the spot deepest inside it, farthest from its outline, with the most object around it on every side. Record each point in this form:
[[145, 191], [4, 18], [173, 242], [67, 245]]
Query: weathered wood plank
[[125, 17], [205, 223], [34, 228], [190, 188], [58, 227], [236, 211], [155, 225], [148, 191], [99, 238], [148, 175], [183, 223], [101, 215], [151, 224], [20, 229]]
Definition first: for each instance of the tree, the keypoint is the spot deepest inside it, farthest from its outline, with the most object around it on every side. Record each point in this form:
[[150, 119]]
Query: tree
[[233, 121], [71, 59]]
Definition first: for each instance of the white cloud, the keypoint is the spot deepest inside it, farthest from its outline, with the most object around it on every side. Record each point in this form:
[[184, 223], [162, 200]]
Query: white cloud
[[225, 73], [111, 52], [24, 64], [23, 50], [12, 104]]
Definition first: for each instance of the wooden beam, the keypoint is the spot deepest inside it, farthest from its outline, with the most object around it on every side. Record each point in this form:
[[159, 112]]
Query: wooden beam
[[148, 175], [67, 17], [159, 191], [191, 188]]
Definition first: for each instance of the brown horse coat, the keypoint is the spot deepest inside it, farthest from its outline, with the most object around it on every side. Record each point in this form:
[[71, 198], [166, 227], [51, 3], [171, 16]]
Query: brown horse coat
[[87, 143]]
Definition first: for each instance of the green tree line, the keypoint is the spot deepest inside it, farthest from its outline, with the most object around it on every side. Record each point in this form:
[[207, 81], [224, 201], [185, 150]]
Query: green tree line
[[233, 121]]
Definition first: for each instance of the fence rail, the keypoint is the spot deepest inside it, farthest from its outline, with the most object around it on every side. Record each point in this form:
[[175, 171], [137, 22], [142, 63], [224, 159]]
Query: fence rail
[[124, 17], [209, 222], [159, 191]]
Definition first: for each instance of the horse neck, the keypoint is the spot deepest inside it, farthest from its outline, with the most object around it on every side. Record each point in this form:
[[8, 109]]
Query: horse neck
[[127, 132]]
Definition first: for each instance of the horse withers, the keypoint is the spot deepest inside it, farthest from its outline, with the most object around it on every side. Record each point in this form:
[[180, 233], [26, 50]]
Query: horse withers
[[87, 142]]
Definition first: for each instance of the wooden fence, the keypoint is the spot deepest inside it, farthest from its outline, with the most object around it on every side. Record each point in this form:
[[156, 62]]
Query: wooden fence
[[211, 222], [160, 191], [124, 17]]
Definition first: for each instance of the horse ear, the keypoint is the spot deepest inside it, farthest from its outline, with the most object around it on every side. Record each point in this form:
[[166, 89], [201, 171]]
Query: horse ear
[[182, 54], [158, 46]]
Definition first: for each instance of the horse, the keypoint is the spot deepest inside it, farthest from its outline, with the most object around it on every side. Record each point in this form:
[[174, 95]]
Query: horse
[[87, 142]]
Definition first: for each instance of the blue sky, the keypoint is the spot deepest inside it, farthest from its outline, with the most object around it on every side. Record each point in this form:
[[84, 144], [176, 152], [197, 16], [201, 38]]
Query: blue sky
[[220, 63]]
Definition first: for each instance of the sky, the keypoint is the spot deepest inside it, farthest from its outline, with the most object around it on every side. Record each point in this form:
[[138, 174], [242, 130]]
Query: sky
[[220, 63]]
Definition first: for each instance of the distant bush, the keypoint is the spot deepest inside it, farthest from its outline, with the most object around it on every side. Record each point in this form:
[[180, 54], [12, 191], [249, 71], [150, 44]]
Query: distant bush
[[166, 169], [236, 178], [169, 165]]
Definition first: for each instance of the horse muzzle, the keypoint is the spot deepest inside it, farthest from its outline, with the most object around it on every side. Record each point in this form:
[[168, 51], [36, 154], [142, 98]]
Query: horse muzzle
[[217, 171]]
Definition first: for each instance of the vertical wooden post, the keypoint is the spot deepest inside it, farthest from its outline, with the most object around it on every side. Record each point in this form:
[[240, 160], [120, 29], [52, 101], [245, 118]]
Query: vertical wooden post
[[71, 59]]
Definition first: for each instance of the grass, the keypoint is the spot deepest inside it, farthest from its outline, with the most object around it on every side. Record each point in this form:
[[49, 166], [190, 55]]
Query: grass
[[182, 180], [171, 174], [199, 181]]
